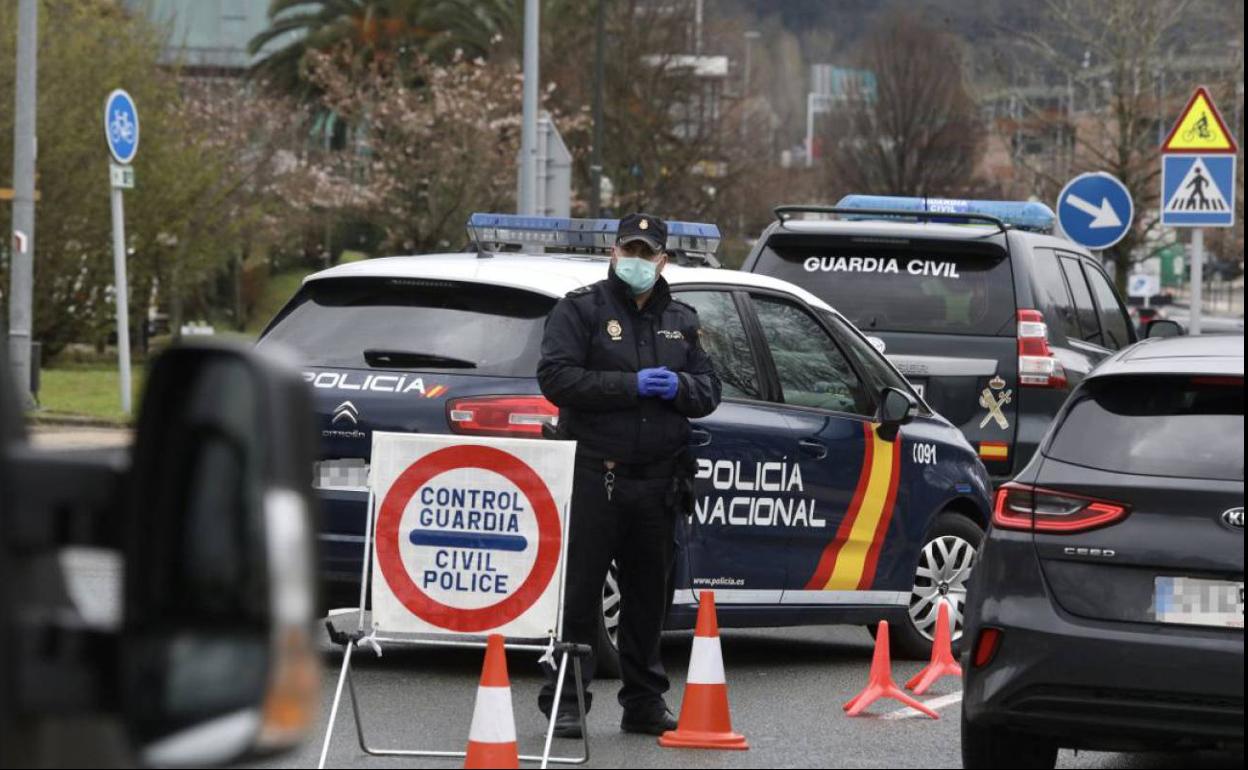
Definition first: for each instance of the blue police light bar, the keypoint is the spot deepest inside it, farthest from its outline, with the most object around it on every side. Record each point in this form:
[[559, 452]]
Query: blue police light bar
[[1024, 215], [592, 235]]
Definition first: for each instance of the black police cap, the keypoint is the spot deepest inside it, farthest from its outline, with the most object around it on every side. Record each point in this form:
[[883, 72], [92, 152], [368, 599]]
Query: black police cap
[[643, 227]]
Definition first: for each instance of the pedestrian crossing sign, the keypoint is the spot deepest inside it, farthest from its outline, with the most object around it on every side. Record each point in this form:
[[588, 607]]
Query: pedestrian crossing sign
[[1198, 190], [1200, 129]]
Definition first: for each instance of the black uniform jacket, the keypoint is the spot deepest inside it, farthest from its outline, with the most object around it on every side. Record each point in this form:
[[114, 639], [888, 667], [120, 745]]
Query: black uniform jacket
[[596, 341]]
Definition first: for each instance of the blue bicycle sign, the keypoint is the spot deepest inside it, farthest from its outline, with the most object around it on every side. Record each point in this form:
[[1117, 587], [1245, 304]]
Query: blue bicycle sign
[[121, 126]]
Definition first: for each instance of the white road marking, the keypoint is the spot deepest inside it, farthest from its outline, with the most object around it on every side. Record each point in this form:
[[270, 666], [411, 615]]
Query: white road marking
[[935, 704]]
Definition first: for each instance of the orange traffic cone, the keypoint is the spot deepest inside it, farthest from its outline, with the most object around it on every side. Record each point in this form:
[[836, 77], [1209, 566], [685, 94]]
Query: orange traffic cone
[[704, 719], [492, 737], [880, 682], [942, 663]]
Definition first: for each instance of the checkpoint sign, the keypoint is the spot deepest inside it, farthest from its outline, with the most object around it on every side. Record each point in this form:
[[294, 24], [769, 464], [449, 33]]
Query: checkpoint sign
[[470, 534], [1198, 168]]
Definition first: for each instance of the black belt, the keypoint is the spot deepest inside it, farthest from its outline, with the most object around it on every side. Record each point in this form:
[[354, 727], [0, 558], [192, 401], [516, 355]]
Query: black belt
[[662, 469]]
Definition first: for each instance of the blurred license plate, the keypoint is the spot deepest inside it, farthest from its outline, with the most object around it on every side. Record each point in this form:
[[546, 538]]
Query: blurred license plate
[[1196, 602], [349, 474]]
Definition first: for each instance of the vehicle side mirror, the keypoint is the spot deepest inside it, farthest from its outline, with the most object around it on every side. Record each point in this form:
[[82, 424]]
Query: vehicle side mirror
[[896, 409], [1163, 327], [217, 653]]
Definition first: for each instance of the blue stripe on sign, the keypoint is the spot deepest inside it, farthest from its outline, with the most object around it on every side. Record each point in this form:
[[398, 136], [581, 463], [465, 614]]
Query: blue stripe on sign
[[440, 538]]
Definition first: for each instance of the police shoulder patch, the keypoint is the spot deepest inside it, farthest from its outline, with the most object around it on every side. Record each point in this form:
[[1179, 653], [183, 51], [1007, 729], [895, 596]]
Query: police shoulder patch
[[582, 291]]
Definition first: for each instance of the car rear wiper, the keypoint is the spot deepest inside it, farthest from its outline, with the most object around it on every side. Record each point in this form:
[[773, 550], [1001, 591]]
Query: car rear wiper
[[409, 358]]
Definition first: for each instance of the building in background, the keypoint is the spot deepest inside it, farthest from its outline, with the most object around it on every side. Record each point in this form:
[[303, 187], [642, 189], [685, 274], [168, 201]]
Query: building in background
[[207, 37]]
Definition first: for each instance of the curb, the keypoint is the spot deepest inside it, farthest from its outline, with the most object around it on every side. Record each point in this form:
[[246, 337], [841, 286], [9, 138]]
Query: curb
[[73, 420]]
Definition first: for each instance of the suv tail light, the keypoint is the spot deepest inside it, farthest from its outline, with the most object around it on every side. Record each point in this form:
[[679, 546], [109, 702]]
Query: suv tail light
[[1037, 366], [986, 646], [514, 416], [1025, 507]]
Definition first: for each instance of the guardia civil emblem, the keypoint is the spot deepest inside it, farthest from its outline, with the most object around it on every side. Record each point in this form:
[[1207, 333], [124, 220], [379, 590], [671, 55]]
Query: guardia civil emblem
[[615, 330]]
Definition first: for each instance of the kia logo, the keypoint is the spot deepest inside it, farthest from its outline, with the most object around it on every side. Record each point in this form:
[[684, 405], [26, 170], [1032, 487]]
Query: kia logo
[[346, 411], [1234, 518]]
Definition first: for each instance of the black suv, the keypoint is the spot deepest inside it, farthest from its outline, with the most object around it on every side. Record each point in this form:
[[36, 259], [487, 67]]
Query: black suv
[[992, 319], [1107, 606]]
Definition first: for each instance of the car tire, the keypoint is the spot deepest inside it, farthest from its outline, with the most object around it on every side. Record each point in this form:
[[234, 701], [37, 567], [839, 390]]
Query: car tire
[[606, 649], [947, 556], [996, 747]]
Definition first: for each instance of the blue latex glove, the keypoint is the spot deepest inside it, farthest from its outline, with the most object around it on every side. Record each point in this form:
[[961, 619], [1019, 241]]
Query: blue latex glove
[[662, 382], [649, 382]]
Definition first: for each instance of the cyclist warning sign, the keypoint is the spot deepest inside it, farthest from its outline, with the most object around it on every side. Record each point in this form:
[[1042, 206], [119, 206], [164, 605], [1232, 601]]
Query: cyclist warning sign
[[1198, 168], [1200, 129], [470, 534]]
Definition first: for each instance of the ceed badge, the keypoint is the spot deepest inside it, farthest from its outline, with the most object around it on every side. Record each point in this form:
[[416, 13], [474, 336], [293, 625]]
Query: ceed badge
[[615, 330]]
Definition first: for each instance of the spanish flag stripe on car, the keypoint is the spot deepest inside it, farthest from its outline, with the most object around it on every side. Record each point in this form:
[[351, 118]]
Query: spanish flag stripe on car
[[849, 561]]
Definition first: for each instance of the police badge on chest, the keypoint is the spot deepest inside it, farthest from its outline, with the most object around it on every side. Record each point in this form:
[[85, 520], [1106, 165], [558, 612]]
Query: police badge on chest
[[615, 330]]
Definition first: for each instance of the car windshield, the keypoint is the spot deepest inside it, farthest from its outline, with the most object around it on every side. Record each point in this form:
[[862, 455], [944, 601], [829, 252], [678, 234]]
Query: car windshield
[[939, 286], [1189, 427], [405, 323]]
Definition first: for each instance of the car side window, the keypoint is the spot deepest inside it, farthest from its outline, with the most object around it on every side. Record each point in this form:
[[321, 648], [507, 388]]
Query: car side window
[[1085, 308], [1055, 294], [812, 369], [1114, 323], [871, 363], [724, 339]]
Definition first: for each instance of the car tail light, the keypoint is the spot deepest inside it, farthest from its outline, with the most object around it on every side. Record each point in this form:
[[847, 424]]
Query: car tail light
[[1025, 507], [515, 416], [1037, 366], [986, 646]]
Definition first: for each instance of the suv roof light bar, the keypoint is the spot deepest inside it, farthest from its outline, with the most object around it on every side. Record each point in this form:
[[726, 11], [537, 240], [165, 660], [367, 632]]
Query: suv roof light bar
[[1023, 215], [692, 241]]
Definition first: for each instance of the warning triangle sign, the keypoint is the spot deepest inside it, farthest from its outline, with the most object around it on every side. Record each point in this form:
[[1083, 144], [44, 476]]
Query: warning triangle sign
[[1200, 128], [1198, 192]]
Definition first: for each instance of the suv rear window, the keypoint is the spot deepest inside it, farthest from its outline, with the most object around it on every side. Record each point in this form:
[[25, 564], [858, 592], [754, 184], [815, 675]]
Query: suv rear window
[[1190, 427], [404, 323], [937, 286]]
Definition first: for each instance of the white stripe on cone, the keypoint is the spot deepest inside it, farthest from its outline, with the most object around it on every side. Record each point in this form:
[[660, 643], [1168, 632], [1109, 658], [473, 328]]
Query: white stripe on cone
[[706, 664], [492, 719]]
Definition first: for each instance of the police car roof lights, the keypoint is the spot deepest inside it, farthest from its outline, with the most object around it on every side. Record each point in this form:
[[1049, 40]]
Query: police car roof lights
[[514, 232], [1023, 215]]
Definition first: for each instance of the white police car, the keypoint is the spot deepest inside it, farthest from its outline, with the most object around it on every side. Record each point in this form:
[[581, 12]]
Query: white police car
[[808, 510]]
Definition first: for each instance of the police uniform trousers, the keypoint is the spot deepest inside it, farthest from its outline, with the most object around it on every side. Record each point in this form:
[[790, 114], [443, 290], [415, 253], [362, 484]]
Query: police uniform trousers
[[635, 528]]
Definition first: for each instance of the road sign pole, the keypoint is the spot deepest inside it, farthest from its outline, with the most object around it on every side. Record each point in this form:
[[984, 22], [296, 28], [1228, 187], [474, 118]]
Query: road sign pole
[[529, 106], [22, 265], [122, 296], [1198, 281]]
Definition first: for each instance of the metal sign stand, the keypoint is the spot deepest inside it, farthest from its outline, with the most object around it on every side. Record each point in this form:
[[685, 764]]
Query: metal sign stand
[[554, 648]]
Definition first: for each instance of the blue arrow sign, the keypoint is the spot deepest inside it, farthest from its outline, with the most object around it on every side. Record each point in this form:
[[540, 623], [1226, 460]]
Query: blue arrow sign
[[1095, 210], [121, 126]]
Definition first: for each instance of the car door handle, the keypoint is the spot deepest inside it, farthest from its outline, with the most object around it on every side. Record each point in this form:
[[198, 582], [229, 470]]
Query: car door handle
[[699, 437], [813, 448]]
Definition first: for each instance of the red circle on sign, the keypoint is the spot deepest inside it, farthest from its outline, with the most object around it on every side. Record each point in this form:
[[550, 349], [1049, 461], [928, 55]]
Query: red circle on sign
[[420, 473]]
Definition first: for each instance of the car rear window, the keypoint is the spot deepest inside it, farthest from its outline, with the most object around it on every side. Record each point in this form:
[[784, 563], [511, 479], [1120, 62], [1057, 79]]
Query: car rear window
[[900, 285], [404, 323], [1190, 427]]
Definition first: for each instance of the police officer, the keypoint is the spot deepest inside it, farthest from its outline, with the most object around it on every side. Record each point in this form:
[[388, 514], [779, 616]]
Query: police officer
[[622, 361]]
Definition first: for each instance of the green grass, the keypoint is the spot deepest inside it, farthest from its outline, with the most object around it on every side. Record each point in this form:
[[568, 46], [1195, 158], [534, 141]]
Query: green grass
[[87, 391]]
